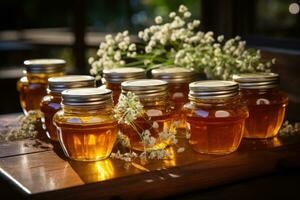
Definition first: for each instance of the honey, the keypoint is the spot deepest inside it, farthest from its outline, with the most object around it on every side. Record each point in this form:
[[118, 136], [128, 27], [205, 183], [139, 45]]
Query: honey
[[265, 101], [33, 87], [87, 130], [51, 103], [215, 116], [112, 78], [153, 95], [178, 79]]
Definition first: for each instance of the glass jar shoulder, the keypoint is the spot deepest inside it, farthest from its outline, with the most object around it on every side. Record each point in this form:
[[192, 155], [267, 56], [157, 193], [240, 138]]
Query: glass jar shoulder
[[264, 97], [84, 118], [50, 102], [211, 111]]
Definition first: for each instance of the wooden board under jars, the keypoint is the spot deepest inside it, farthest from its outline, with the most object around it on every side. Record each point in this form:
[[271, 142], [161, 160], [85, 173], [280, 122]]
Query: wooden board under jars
[[40, 173]]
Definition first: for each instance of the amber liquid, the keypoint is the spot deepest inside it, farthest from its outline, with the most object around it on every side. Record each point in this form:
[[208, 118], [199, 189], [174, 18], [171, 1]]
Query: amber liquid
[[215, 130], [49, 106], [164, 121], [87, 142], [32, 89], [178, 93], [266, 112], [116, 90]]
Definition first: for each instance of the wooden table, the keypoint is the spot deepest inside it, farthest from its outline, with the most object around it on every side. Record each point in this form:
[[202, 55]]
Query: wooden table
[[39, 173]]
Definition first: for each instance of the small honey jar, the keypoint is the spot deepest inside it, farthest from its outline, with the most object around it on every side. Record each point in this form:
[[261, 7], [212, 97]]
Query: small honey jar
[[52, 102], [178, 79], [112, 78], [265, 101], [215, 116], [33, 86], [87, 130], [153, 95]]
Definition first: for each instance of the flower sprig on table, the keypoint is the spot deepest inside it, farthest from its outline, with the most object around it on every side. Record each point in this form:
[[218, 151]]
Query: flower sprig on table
[[127, 110], [175, 41], [27, 127]]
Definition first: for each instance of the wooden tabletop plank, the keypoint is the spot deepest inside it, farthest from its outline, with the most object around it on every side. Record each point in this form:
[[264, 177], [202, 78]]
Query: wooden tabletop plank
[[44, 174]]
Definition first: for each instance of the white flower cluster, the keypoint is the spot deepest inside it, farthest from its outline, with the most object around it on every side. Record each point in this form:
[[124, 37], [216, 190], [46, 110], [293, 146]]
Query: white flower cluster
[[127, 157], [175, 42], [112, 52], [288, 129], [128, 108], [26, 128]]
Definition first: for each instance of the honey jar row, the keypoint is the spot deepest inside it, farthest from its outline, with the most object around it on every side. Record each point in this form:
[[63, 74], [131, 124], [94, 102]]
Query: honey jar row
[[216, 114]]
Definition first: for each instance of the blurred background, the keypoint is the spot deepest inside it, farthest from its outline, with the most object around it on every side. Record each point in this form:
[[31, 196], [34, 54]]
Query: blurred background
[[73, 30]]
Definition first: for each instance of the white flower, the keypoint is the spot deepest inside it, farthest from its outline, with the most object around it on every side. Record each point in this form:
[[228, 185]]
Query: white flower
[[148, 49], [158, 20], [141, 34], [187, 14], [182, 9], [172, 14], [220, 38], [132, 47], [91, 60]]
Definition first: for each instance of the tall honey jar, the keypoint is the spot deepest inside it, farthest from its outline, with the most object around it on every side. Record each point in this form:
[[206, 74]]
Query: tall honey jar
[[51, 103], [178, 79], [215, 116], [112, 78], [33, 86], [158, 110], [265, 101], [87, 130]]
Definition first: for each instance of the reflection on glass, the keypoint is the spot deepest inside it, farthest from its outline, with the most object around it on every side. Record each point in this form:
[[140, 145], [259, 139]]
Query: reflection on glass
[[94, 171]]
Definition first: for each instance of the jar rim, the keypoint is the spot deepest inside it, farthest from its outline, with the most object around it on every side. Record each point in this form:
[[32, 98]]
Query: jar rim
[[86, 96], [45, 65], [118, 75], [212, 89], [173, 74], [257, 80], [61, 83]]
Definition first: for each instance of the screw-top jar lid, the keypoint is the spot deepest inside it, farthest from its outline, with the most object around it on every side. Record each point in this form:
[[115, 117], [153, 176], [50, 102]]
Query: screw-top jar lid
[[45, 66], [61, 83], [257, 80], [146, 87], [118, 75], [174, 74], [213, 89], [86, 96]]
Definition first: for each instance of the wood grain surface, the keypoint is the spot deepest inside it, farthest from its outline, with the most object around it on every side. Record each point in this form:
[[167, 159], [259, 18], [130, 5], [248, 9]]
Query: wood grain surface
[[47, 174]]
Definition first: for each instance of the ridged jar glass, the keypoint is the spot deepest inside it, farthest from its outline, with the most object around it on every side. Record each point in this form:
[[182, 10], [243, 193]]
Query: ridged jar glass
[[33, 86], [51, 103], [87, 130], [178, 79], [153, 94], [215, 116], [112, 78], [265, 101]]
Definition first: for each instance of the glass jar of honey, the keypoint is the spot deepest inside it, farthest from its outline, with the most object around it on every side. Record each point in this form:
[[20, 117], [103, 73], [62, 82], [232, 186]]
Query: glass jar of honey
[[153, 95], [87, 130], [112, 78], [265, 101], [33, 86], [52, 102], [215, 116], [178, 79]]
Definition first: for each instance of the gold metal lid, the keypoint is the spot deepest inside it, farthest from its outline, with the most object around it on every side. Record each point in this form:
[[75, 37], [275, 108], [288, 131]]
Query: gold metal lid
[[61, 83], [45, 66], [257, 80], [145, 87], [174, 74], [118, 75], [86, 97], [213, 89]]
